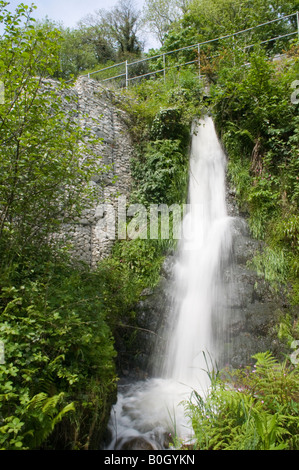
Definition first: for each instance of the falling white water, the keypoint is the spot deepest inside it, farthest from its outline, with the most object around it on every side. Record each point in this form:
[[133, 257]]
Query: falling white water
[[151, 409], [204, 247]]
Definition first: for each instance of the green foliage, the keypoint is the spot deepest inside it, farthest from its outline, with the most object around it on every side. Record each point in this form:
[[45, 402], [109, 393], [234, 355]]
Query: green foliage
[[98, 39], [272, 266], [164, 109], [143, 260], [259, 127], [209, 19], [167, 125], [249, 409], [77, 51], [160, 173], [288, 331], [58, 350], [160, 115], [58, 378], [44, 178]]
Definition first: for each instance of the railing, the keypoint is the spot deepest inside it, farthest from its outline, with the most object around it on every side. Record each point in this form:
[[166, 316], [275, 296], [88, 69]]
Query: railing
[[127, 78]]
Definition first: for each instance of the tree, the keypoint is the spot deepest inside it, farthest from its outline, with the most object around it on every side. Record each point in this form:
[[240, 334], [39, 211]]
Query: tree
[[236, 15], [76, 53], [94, 37], [119, 27], [122, 24], [159, 15], [210, 19], [43, 172]]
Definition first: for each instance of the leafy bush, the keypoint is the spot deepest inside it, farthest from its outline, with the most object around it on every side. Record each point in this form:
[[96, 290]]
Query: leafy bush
[[272, 265], [167, 125], [59, 359], [160, 173]]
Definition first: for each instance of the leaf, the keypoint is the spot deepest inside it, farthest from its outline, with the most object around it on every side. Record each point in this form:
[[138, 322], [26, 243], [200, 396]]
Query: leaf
[[265, 359]]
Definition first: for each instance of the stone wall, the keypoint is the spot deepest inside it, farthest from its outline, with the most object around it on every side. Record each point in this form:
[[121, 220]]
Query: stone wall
[[97, 111]]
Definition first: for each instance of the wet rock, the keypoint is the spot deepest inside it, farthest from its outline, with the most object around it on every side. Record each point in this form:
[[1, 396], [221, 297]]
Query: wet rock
[[250, 310], [137, 443]]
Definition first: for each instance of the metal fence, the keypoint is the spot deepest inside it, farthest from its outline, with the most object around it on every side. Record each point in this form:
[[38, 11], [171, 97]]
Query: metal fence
[[164, 63]]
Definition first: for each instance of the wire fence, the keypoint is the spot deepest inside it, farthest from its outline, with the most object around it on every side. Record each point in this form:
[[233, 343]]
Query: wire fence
[[160, 64]]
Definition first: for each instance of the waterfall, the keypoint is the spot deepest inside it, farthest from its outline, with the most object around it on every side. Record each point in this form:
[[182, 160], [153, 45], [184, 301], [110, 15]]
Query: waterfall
[[146, 411], [204, 249]]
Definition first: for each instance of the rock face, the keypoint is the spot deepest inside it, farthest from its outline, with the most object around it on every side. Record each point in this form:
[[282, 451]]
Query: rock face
[[250, 315], [93, 235], [254, 309]]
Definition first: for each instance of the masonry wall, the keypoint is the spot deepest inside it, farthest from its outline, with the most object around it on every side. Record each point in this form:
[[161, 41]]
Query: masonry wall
[[92, 236]]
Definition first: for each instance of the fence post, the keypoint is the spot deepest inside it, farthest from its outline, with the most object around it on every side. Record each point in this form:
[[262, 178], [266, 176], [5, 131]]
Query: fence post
[[127, 75], [234, 48], [198, 49], [164, 67], [298, 23]]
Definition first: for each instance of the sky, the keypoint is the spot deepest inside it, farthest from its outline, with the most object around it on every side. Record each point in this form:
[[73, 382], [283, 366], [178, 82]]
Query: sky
[[69, 12]]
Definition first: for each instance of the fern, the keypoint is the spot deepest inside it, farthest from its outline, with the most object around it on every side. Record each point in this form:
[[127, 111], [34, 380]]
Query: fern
[[265, 359], [251, 410], [270, 431], [46, 412], [272, 266]]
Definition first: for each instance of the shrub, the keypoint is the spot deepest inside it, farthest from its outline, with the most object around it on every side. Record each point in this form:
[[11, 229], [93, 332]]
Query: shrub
[[59, 359]]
